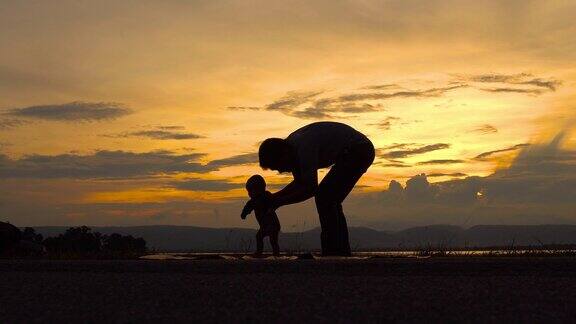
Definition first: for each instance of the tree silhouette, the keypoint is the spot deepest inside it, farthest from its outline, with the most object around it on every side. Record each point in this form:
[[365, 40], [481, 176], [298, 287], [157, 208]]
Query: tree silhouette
[[118, 243], [9, 236], [29, 234], [82, 241], [75, 239]]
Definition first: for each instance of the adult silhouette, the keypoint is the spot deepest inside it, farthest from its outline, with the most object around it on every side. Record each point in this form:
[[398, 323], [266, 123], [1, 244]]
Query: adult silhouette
[[312, 147]]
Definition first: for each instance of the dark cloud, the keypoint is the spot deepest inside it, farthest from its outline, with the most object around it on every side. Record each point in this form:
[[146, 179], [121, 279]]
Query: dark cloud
[[381, 87], [543, 173], [399, 146], [403, 153], [165, 135], [292, 100], [433, 162], [418, 189], [497, 78], [307, 105], [514, 90], [113, 165], [327, 108], [386, 124], [102, 164], [547, 159], [420, 192], [539, 85], [206, 185], [540, 177], [73, 112], [460, 192], [433, 92], [355, 103], [395, 187], [485, 155], [10, 123], [453, 174], [486, 129], [171, 127], [394, 165], [160, 135], [550, 84], [311, 113], [241, 159], [530, 190], [355, 108], [240, 108]]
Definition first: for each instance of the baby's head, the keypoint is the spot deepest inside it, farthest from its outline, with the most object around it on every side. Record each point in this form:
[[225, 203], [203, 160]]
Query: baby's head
[[255, 186]]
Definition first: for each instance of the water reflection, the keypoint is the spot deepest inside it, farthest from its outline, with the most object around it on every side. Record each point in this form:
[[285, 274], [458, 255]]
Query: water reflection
[[361, 255]]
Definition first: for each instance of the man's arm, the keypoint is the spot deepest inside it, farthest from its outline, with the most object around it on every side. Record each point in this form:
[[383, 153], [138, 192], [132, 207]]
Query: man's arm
[[305, 180], [293, 193], [285, 191]]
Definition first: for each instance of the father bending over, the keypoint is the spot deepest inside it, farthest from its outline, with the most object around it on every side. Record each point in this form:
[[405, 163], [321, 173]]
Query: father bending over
[[312, 147]]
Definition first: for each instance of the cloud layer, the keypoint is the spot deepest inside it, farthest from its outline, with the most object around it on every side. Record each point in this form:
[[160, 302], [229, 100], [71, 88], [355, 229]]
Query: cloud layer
[[240, 159], [164, 135], [400, 151], [159, 133], [540, 176], [486, 129], [523, 83], [206, 185], [101, 164], [10, 123], [73, 111], [114, 164], [489, 154], [324, 105]]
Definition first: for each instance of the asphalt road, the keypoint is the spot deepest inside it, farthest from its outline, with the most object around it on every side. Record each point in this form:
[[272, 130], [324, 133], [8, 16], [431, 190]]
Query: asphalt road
[[462, 289]]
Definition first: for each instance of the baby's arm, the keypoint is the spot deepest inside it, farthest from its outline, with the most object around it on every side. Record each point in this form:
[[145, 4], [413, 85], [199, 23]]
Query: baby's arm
[[248, 208]]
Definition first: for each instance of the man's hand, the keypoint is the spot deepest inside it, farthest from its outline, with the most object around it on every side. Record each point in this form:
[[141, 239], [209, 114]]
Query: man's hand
[[293, 193]]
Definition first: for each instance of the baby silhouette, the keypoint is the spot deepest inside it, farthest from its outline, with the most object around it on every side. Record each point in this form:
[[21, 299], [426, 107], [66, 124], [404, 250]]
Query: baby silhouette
[[267, 219]]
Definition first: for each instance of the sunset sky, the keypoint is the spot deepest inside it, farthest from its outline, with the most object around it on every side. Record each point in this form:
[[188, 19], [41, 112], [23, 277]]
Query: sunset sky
[[151, 112]]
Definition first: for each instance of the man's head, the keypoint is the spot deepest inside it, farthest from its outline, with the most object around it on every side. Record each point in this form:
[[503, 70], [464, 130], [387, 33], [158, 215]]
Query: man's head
[[255, 186], [276, 154]]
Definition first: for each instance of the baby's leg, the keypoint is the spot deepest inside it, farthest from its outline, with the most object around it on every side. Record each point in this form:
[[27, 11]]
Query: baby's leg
[[259, 242], [274, 243]]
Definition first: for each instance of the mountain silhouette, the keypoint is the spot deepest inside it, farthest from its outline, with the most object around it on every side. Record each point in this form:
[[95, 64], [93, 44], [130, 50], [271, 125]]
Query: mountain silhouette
[[203, 239]]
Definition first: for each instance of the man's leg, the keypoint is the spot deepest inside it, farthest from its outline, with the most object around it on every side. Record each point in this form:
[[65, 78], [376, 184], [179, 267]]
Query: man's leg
[[327, 207], [332, 191], [342, 234]]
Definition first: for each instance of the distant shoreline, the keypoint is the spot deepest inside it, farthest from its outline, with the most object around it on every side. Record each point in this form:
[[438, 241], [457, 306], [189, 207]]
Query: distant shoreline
[[435, 237]]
